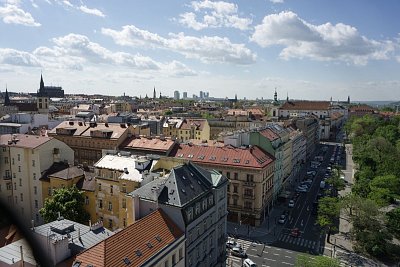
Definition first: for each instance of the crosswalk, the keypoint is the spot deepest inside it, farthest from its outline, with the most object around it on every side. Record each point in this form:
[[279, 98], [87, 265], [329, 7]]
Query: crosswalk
[[244, 243], [298, 241]]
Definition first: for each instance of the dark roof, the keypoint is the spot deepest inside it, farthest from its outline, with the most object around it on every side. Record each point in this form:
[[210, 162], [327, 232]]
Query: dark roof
[[305, 105], [87, 183], [68, 173], [55, 167], [26, 106]]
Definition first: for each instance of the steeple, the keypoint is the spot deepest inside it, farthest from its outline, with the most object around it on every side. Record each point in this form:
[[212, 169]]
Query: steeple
[[7, 99], [235, 97], [287, 96], [154, 93], [348, 100], [275, 96], [160, 95], [41, 83]]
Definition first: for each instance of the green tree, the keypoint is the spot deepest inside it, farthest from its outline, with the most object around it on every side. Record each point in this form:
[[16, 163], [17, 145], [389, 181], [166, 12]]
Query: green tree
[[335, 181], [69, 202], [389, 132], [393, 222], [305, 260], [168, 113], [384, 189], [328, 213]]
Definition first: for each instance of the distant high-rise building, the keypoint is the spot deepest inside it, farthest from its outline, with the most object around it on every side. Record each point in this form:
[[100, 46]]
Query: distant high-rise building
[[201, 94], [176, 95], [184, 95], [154, 93]]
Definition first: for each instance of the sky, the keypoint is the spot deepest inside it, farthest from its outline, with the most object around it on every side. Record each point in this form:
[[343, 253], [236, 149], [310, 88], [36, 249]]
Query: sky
[[305, 49]]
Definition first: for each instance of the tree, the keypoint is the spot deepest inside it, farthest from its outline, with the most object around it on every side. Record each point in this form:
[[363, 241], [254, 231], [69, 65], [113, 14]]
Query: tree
[[393, 222], [337, 183], [328, 213], [69, 202], [384, 189], [304, 260]]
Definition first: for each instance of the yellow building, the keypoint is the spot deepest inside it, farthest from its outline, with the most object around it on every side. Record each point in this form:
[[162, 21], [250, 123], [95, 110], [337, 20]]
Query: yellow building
[[88, 140], [187, 129], [24, 158], [117, 175], [66, 177]]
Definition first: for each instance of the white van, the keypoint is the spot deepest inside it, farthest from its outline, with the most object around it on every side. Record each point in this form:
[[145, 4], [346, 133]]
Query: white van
[[249, 263]]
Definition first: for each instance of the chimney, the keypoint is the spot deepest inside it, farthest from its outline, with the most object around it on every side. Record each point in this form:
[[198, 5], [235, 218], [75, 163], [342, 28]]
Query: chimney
[[22, 256], [90, 224]]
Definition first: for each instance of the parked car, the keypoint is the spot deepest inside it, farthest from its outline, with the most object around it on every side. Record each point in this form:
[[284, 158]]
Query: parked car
[[230, 244], [291, 203], [301, 190], [238, 252], [249, 263]]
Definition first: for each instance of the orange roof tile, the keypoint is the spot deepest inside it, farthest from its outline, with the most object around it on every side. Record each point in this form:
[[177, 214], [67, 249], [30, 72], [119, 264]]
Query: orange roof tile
[[149, 144], [305, 105], [148, 235], [189, 123], [253, 157], [269, 134]]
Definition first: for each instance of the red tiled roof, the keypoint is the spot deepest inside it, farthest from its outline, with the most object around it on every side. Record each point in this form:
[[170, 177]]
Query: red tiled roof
[[361, 108], [149, 144], [305, 105], [269, 134], [125, 244], [253, 157], [189, 123], [24, 140]]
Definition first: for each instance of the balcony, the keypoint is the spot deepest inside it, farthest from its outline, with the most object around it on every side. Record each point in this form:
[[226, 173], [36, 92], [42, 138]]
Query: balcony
[[252, 184], [7, 177]]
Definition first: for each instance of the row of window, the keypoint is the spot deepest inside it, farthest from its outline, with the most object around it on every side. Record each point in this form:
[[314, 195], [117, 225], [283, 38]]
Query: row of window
[[199, 207], [173, 259], [123, 189]]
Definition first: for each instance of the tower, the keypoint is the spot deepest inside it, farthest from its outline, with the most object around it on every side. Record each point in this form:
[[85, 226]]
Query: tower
[[348, 100], [287, 96], [7, 101], [154, 93], [42, 101], [275, 96]]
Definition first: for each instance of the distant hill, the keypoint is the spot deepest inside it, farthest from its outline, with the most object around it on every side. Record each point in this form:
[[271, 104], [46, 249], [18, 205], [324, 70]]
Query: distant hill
[[377, 103]]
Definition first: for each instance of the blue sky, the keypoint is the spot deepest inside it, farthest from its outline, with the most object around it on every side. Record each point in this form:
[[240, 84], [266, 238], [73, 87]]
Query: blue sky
[[308, 49]]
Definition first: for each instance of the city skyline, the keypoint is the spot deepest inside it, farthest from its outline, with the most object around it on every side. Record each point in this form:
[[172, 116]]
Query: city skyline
[[303, 49]]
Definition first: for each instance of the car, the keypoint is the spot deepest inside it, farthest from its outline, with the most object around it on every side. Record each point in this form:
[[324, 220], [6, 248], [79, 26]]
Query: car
[[301, 190], [249, 263], [295, 232], [237, 252], [230, 244], [291, 203], [282, 219]]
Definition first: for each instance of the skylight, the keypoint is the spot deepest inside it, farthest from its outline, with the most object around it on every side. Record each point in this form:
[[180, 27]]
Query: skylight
[[127, 261]]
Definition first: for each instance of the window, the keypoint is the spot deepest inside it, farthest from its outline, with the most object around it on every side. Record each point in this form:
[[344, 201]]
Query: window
[[99, 187], [110, 223], [33, 163], [210, 200], [9, 186], [36, 204], [22, 197], [248, 192], [13, 162], [15, 186], [236, 176], [166, 263], [124, 203], [19, 157], [34, 176], [49, 192], [250, 177], [19, 168], [197, 208], [235, 201], [86, 200], [111, 189], [37, 217], [204, 204], [100, 204], [173, 259], [20, 182], [109, 206], [248, 205], [123, 188], [35, 190], [6, 160], [228, 175], [124, 222], [235, 188], [180, 253], [189, 214], [14, 175]]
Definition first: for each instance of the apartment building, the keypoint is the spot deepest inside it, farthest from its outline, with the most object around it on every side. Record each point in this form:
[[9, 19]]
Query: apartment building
[[195, 199], [23, 159], [88, 140], [187, 129], [310, 127], [250, 172], [141, 145], [116, 175], [155, 240]]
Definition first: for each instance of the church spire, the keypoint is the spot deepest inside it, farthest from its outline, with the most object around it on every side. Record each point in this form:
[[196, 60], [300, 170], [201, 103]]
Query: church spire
[[275, 96], [41, 82], [154, 93], [287, 96], [7, 98]]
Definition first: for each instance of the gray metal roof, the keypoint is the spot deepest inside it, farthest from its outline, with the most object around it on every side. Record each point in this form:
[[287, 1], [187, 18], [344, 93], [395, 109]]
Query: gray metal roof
[[11, 253]]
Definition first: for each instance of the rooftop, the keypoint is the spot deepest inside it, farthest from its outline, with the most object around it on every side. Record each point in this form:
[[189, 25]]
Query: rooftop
[[23, 140], [253, 157], [152, 144], [134, 245], [305, 105]]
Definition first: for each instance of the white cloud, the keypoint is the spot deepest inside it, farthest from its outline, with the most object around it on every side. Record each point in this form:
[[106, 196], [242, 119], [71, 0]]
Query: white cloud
[[92, 11], [76, 52], [13, 14], [277, 1], [215, 15], [207, 49], [325, 42], [18, 58]]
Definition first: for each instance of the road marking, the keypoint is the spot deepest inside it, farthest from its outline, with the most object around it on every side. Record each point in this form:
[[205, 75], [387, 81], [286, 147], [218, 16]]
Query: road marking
[[275, 254], [269, 259], [287, 263], [286, 256]]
